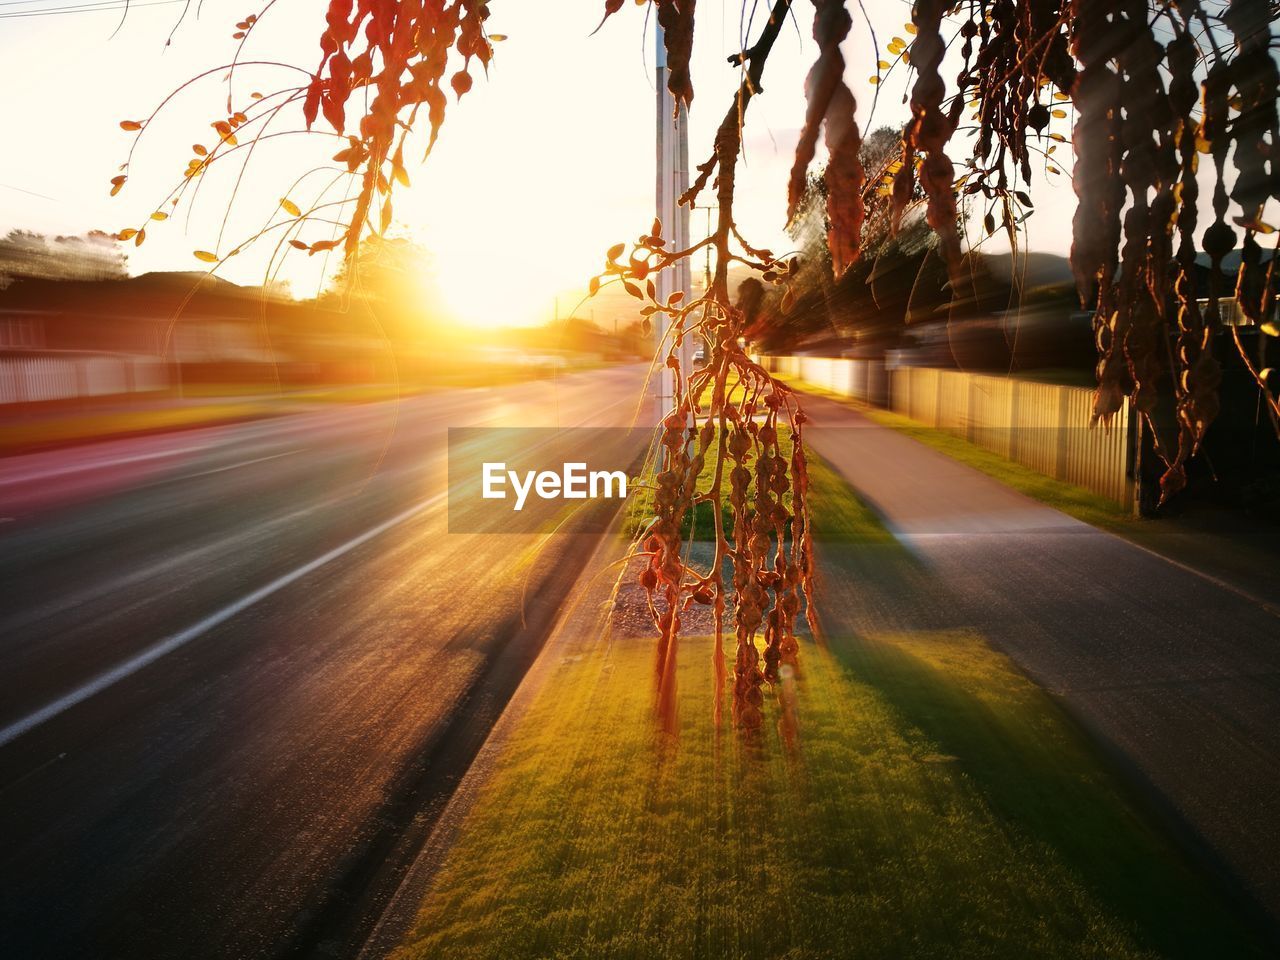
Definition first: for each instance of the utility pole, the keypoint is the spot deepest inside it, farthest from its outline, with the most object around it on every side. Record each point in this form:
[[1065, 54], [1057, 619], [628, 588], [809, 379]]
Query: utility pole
[[706, 271], [706, 280], [672, 182]]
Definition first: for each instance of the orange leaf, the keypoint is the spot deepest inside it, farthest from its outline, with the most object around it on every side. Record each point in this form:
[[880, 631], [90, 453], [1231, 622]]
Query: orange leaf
[[206, 256], [397, 169], [290, 207], [130, 125]]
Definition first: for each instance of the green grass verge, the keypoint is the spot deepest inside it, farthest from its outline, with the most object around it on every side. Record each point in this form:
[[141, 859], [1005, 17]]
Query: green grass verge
[[936, 804], [870, 839]]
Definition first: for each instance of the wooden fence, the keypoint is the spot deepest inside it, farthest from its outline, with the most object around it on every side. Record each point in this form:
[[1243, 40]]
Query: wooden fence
[[1043, 426]]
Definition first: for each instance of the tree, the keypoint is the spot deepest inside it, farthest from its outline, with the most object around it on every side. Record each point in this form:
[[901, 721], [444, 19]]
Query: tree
[[27, 255], [1154, 87], [897, 271], [392, 278]]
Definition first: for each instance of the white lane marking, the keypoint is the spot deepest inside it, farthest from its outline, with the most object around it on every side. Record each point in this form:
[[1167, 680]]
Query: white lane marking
[[230, 466], [98, 465], [153, 653]]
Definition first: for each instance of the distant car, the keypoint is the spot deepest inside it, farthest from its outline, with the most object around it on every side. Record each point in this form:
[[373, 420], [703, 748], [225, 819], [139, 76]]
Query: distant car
[[700, 356]]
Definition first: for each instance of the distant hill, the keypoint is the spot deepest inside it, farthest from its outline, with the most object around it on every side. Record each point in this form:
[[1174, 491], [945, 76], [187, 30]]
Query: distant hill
[[1035, 269]]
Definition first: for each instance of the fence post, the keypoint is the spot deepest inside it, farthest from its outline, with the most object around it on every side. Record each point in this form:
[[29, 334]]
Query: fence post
[[1013, 419], [1063, 434]]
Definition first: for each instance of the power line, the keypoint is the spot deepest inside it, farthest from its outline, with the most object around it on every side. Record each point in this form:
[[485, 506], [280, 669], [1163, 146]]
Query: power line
[[22, 3], [100, 7], [30, 193], [27, 3]]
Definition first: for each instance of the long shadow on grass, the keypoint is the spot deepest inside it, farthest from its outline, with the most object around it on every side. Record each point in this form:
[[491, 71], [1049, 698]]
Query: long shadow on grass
[[895, 628]]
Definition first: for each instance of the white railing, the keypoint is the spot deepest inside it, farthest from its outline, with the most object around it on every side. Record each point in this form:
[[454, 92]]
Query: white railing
[[1043, 426]]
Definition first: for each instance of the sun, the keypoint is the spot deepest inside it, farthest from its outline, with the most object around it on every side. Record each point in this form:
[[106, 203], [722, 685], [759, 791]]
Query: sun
[[479, 290]]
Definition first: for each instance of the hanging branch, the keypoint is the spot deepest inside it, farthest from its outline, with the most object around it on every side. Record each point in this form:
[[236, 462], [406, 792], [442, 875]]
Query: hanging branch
[[1146, 111]]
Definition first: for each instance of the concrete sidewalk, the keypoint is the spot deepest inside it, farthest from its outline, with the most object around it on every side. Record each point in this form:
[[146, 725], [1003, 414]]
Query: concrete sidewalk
[[1174, 672]]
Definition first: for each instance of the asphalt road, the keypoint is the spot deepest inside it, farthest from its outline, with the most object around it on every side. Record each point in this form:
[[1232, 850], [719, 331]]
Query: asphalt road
[[239, 668], [1177, 673]]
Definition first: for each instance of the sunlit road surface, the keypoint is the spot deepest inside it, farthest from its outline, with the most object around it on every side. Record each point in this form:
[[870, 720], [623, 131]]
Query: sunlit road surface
[[232, 660]]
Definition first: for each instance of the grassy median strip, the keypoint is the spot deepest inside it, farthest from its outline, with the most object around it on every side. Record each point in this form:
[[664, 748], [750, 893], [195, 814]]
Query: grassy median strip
[[843, 519], [936, 803]]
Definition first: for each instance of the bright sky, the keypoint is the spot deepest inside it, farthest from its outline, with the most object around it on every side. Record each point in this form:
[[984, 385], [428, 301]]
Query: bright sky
[[539, 169]]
